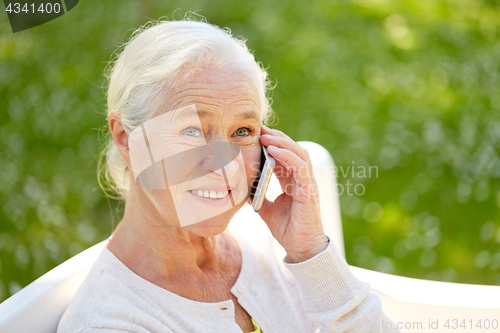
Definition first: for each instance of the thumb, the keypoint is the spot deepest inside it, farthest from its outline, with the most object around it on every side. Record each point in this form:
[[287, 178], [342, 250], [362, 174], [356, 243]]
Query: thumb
[[265, 209]]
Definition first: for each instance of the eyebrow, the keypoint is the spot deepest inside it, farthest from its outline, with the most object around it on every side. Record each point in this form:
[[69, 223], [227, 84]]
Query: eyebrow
[[244, 114]]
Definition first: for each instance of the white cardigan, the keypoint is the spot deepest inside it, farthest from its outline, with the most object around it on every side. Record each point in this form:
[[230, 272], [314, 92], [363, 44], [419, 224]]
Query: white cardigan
[[317, 295]]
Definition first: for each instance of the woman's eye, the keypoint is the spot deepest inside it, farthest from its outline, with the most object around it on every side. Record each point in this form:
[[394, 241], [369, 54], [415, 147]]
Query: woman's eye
[[192, 131], [242, 131]]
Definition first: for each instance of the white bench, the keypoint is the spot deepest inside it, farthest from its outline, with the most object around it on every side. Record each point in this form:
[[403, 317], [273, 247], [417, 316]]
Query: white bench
[[411, 303]]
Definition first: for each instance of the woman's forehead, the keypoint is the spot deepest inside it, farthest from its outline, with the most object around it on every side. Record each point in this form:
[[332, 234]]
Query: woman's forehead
[[215, 91], [190, 112]]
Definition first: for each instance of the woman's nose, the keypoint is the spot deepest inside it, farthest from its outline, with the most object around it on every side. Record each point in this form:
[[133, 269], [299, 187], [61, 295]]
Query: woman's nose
[[216, 167], [230, 169], [223, 159]]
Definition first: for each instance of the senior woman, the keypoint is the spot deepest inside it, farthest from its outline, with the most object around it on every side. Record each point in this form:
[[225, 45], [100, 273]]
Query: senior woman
[[186, 107]]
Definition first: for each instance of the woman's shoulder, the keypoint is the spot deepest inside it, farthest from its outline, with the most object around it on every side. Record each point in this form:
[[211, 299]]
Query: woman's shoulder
[[104, 299]]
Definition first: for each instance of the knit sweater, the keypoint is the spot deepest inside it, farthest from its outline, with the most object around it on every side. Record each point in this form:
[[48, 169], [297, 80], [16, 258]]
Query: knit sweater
[[317, 295]]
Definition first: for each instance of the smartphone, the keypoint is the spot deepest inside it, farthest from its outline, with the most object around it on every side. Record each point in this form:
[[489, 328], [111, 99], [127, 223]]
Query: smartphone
[[260, 184]]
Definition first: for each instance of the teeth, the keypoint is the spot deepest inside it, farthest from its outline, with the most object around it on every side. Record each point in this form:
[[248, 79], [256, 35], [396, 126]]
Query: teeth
[[210, 194]]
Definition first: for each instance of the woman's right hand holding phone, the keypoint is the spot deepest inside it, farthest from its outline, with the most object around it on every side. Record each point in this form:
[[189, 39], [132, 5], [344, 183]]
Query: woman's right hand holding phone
[[294, 218]]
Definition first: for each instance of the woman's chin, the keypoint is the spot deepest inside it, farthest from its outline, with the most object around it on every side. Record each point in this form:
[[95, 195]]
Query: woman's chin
[[216, 224], [209, 228], [194, 209]]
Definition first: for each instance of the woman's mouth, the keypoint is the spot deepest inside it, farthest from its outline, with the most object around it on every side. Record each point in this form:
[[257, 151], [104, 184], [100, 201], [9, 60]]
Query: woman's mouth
[[210, 194], [212, 198]]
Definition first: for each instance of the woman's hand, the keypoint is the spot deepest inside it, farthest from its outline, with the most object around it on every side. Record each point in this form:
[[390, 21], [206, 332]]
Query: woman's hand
[[294, 217]]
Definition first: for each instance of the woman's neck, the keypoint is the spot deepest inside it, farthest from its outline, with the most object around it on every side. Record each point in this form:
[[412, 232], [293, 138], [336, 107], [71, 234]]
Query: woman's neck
[[156, 249]]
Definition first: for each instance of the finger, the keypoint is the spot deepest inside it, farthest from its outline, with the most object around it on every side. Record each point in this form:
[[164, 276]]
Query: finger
[[274, 132], [270, 133], [273, 212], [281, 140], [298, 166], [286, 143], [263, 209], [284, 176]]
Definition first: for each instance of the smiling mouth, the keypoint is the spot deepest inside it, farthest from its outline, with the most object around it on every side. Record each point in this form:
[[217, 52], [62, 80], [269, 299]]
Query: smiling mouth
[[210, 194]]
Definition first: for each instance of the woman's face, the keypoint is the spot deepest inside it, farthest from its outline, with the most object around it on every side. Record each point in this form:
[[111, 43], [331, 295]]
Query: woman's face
[[204, 142]]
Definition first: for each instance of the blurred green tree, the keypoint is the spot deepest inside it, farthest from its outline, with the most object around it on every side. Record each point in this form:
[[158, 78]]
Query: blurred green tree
[[408, 89]]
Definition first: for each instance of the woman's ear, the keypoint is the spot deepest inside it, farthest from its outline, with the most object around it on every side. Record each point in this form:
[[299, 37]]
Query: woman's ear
[[120, 137]]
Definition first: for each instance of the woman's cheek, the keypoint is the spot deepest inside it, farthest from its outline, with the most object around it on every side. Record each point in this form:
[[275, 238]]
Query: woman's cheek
[[251, 156]]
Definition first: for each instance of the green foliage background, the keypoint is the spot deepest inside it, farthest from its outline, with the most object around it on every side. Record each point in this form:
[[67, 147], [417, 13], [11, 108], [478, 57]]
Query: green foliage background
[[410, 87]]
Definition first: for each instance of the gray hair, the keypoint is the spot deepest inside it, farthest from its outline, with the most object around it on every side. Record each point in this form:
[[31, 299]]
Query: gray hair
[[158, 56]]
